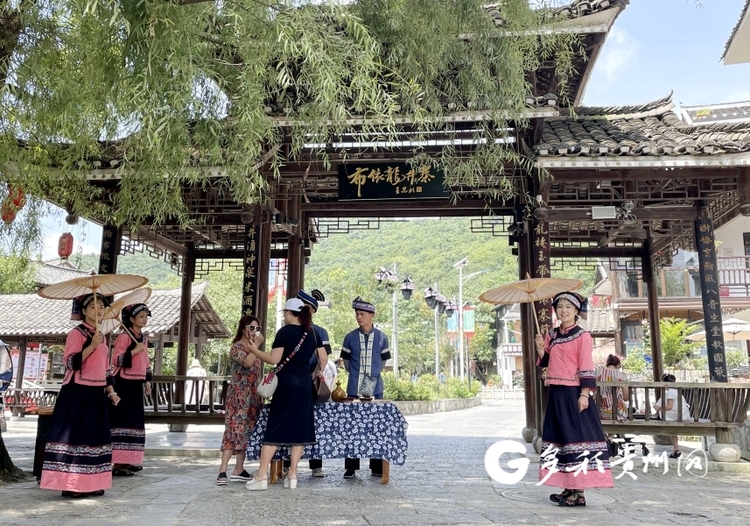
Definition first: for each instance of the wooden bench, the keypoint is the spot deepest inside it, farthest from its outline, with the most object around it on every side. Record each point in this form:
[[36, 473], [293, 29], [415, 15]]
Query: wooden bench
[[715, 409]]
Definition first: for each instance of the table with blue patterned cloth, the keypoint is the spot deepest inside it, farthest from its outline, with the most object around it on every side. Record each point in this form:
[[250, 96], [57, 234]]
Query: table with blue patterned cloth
[[347, 430]]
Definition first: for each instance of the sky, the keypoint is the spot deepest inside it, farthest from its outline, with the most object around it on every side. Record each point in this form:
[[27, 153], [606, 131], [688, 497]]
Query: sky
[[658, 46], [654, 47]]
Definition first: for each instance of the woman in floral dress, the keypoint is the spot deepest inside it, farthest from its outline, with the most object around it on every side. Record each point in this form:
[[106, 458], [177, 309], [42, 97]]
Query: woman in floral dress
[[242, 403]]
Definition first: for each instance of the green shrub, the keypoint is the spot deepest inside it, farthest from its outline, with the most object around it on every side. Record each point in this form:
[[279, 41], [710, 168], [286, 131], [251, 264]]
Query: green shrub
[[735, 359]]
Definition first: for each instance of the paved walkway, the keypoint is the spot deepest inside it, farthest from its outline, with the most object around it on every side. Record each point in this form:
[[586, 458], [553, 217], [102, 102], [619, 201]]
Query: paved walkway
[[443, 482]]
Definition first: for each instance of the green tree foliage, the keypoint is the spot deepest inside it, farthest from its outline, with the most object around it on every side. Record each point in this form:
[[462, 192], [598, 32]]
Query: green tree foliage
[[16, 275], [635, 363], [162, 91], [673, 343]]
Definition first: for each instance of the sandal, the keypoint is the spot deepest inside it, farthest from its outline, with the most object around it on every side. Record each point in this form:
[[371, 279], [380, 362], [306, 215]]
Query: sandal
[[575, 499], [222, 479], [557, 497], [122, 473], [676, 454], [134, 469]]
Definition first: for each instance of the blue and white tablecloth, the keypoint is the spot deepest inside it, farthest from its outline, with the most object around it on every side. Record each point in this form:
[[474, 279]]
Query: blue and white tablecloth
[[347, 430]]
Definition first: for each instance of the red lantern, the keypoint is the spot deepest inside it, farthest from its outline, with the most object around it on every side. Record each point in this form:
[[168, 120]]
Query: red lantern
[[17, 195], [8, 212], [65, 245]]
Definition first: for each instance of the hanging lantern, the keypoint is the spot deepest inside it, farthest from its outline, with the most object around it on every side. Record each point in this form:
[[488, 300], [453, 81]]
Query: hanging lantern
[[17, 195], [65, 245], [8, 212]]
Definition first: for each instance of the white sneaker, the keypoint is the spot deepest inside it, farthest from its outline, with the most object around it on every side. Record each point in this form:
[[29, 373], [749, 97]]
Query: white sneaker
[[318, 472]]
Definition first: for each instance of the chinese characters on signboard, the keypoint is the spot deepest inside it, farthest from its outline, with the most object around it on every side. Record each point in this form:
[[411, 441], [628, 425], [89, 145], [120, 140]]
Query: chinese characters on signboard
[[706, 247], [541, 251], [250, 277], [390, 181]]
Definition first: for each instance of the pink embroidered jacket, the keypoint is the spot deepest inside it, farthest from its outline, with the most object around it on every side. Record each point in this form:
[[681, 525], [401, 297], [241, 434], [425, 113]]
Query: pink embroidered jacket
[[94, 370], [125, 364], [567, 356]]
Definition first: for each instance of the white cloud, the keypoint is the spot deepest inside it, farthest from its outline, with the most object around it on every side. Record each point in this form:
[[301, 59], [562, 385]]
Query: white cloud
[[619, 53]]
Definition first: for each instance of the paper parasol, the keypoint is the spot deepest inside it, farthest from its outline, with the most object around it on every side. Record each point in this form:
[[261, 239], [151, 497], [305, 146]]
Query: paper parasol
[[134, 296], [112, 313], [103, 284], [529, 290]]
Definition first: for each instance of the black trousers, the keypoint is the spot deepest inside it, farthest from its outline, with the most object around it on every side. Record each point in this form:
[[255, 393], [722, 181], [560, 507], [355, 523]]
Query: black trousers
[[376, 464]]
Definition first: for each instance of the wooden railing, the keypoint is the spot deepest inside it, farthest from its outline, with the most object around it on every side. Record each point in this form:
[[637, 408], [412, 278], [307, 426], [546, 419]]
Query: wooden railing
[[677, 281], [714, 408], [186, 400], [173, 400], [29, 400]]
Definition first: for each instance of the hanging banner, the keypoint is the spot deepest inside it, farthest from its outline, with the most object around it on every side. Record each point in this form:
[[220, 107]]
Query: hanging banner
[[452, 323], [469, 321], [390, 181]]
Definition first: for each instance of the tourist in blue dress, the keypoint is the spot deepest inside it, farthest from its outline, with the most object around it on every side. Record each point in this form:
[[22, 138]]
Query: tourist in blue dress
[[290, 419]]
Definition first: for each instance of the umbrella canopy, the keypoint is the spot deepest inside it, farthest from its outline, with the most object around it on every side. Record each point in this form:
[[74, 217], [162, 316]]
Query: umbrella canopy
[[732, 328], [134, 296], [528, 290], [104, 284]]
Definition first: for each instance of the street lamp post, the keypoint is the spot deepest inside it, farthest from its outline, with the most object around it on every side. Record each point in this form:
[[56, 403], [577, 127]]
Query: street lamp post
[[435, 301], [407, 286], [460, 266], [461, 280]]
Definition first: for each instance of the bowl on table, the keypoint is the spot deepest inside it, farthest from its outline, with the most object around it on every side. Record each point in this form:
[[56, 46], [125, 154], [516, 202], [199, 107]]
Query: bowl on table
[[365, 398]]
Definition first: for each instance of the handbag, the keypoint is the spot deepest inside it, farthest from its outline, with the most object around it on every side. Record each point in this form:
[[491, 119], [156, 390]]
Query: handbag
[[320, 388], [270, 380], [268, 385]]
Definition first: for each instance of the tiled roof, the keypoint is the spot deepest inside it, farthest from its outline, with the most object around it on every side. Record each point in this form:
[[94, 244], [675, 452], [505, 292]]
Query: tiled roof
[[735, 29], [647, 130], [601, 322], [48, 273], [33, 316], [574, 9], [717, 113]]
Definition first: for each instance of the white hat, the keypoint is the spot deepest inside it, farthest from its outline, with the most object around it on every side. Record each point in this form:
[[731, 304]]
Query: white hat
[[294, 305], [195, 363]]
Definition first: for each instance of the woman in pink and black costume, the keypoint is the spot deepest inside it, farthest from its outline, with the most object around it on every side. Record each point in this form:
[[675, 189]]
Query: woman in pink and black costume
[[131, 369], [572, 432], [78, 454]]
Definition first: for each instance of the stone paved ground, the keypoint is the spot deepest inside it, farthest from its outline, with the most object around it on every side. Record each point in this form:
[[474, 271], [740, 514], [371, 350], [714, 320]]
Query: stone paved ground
[[443, 482]]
